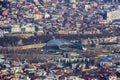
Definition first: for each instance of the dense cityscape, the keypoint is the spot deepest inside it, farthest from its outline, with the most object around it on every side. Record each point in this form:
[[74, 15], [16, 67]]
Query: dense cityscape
[[59, 40]]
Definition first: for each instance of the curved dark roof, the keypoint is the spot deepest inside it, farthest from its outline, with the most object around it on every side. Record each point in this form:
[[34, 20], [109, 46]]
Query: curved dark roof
[[116, 22], [63, 44]]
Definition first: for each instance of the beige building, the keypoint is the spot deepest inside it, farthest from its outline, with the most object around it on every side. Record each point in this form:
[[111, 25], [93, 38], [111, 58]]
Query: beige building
[[62, 32], [92, 32], [72, 32], [72, 1], [112, 15], [37, 16]]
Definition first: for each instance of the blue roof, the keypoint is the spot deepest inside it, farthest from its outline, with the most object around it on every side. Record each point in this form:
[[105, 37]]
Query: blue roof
[[106, 58]]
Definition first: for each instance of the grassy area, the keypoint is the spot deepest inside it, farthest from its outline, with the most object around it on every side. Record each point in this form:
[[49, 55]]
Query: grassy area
[[33, 46], [25, 47]]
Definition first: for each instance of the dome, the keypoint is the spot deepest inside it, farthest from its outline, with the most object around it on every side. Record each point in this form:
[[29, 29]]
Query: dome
[[63, 44], [58, 42]]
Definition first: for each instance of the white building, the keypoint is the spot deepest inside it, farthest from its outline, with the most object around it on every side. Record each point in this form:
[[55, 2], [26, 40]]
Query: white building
[[1, 33], [28, 28], [15, 28]]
